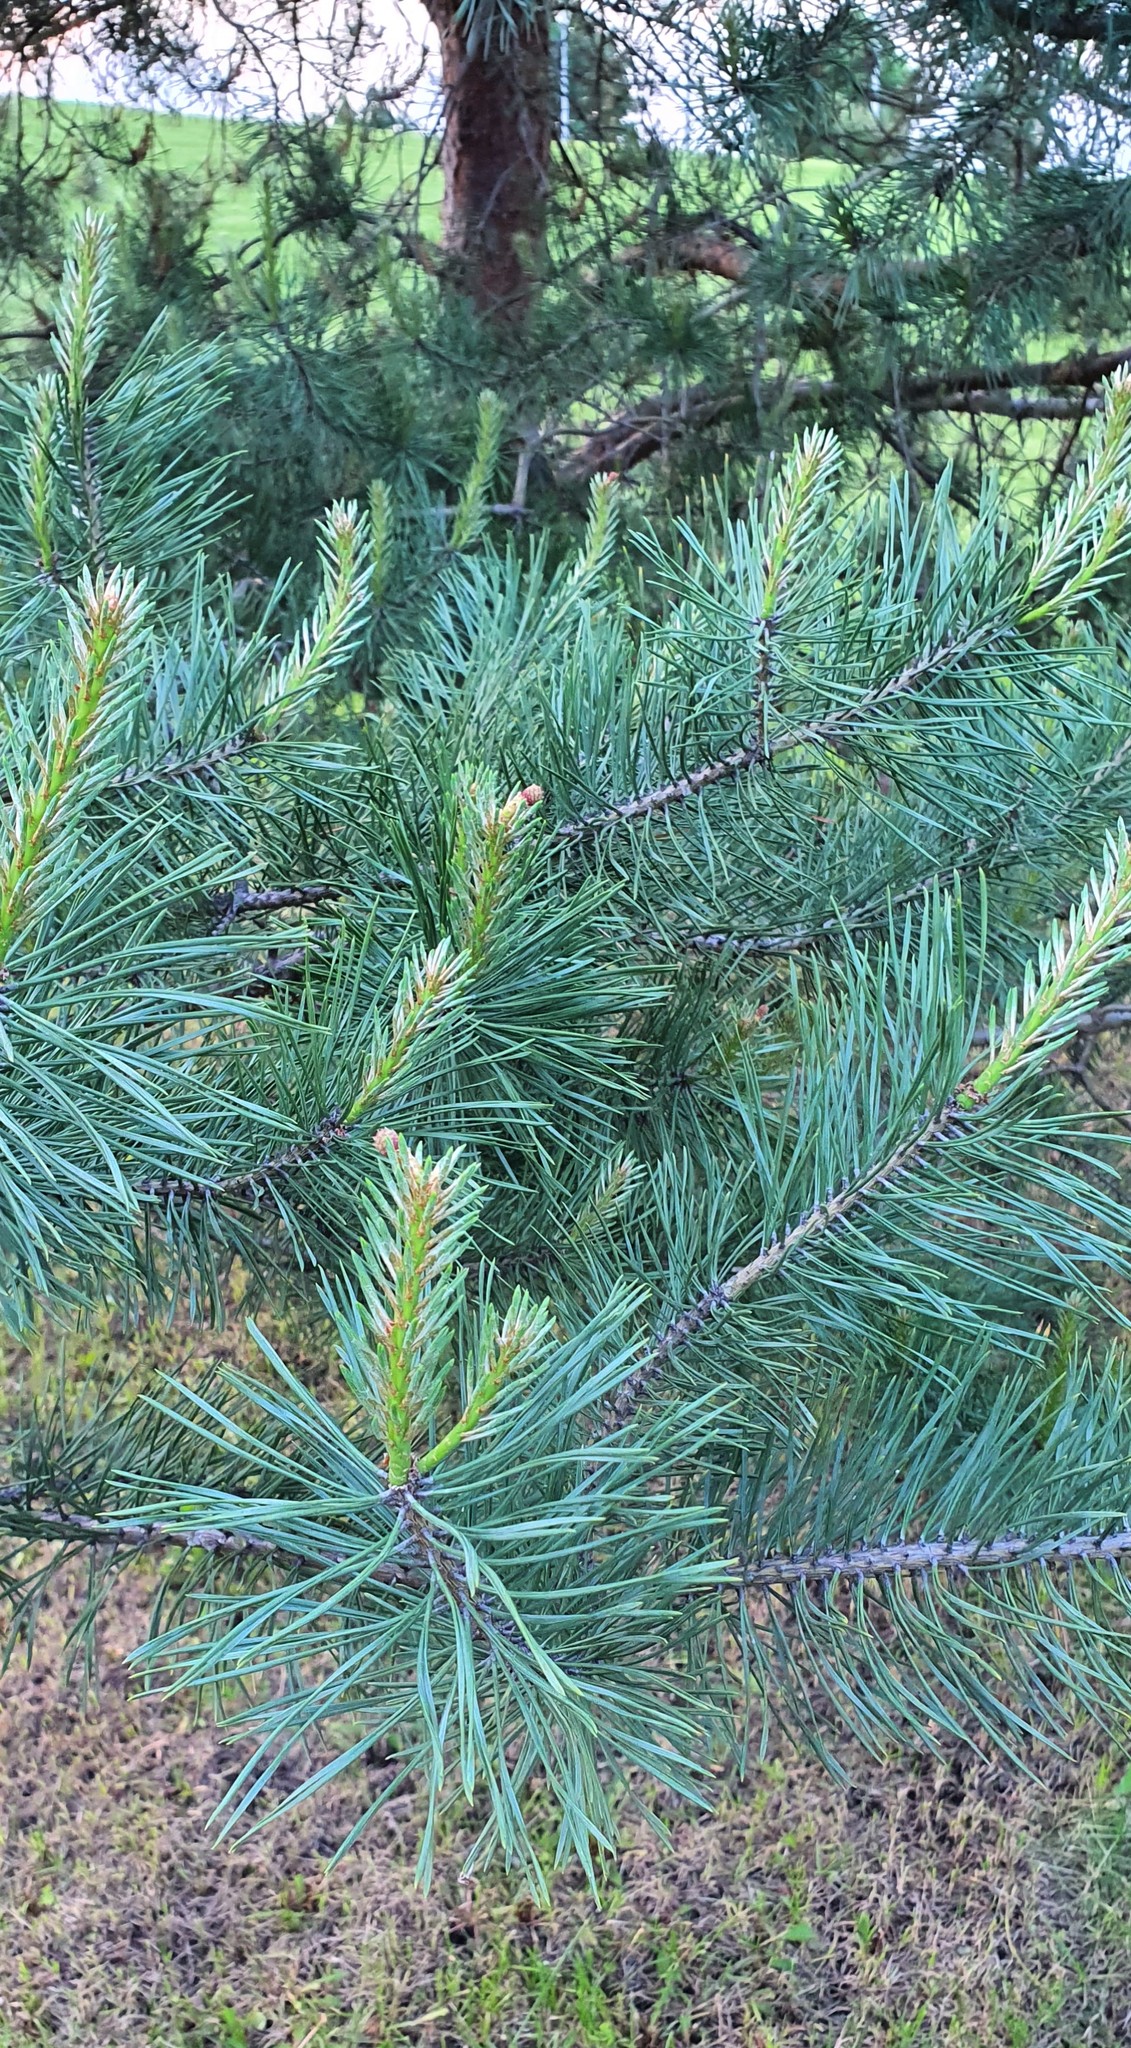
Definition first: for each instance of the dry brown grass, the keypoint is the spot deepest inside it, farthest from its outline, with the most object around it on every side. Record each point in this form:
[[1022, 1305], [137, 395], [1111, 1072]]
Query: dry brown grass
[[931, 1902]]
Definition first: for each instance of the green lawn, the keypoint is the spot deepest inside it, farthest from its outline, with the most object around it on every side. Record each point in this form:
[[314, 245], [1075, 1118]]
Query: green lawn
[[217, 156], [220, 155]]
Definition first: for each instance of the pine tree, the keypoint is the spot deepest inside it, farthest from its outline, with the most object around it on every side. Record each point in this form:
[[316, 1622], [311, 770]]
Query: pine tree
[[908, 223], [658, 1039]]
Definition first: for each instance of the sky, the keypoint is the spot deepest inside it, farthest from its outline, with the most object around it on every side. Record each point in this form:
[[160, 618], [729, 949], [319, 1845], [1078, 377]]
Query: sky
[[293, 74], [399, 47]]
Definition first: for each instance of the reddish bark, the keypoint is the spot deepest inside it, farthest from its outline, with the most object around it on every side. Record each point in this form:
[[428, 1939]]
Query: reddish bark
[[495, 159]]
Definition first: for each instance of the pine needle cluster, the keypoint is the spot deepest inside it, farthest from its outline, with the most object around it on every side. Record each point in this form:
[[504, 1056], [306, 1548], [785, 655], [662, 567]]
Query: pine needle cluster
[[660, 1042]]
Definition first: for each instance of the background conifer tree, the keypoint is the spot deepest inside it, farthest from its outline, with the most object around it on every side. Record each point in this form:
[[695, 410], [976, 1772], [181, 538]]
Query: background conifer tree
[[908, 224]]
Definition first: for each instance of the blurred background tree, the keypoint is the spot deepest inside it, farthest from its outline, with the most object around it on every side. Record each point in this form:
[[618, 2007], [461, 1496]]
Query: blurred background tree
[[670, 235]]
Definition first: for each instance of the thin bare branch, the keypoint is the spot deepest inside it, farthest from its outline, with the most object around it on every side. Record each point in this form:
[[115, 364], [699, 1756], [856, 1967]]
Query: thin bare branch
[[645, 429]]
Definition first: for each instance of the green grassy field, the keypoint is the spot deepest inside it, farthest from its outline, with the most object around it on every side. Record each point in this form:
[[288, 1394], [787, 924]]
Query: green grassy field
[[218, 157]]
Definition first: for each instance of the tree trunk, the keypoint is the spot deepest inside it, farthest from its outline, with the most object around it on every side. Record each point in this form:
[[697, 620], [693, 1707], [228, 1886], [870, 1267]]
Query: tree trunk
[[495, 160]]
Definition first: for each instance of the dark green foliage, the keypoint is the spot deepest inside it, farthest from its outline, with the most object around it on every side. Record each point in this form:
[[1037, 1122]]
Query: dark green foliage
[[910, 225]]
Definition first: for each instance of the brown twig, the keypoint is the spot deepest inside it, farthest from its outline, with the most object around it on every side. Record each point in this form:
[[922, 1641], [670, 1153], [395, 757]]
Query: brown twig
[[642, 430], [428, 1554], [182, 768], [244, 902], [236, 1186]]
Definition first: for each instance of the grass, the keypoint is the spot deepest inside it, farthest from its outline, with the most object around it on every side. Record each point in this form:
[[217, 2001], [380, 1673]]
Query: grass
[[931, 1901], [218, 157]]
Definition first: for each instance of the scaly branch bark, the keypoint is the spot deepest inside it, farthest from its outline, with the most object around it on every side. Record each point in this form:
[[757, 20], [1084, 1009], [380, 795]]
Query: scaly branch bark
[[645, 429], [244, 902], [769, 1574], [904, 1560], [816, 1223]]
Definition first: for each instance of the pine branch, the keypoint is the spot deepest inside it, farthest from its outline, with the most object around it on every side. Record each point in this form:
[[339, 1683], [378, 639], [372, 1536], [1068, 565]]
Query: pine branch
[[244, 902], [250, 1183], [906, 1558], [704, 251], [646, 429], [764, 749], [1083, 368], [187, 767], [807, 938], [709, 774], [37, 1524], [425, 988], [914, 1559], [33, 1523], [425, 1552], [747, 945], [1037, 1019], [429, 1558], [921, 1556], [817, 1223], [1107, 1017], [100, 621], [1010, 406], [803, 939]]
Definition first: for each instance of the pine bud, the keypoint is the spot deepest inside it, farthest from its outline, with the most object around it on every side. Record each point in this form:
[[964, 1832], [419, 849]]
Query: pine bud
[[512, 810]]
